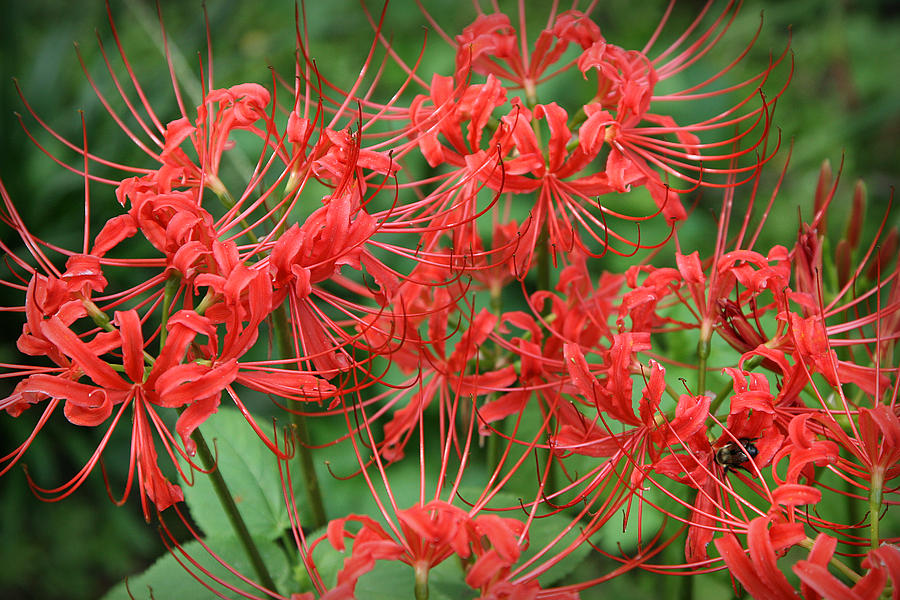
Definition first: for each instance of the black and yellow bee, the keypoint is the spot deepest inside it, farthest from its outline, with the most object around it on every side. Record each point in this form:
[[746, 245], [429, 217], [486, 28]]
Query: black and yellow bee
[[734, 454]]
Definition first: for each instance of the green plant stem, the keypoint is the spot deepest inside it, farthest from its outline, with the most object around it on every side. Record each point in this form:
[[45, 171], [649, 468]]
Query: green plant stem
[[494, 450], [172, 284], [227, 201], [543, 263], [492, 456], [232, 512], [298, 421], [839, 565], [686, 587], [875, 499], [308, 468], [497, 299], [543, 283], [702, 356], [421, 587]]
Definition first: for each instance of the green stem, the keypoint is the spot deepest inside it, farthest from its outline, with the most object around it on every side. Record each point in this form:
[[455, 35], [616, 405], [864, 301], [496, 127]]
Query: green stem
[[421, 587], [232, 512], [227, 200], [543, 264], [686, 587], [102, 320], [308, 469], [875, 498], [543, 277], [494, 449], [171, 287], [702, 356], [496, 299], [304, 455], [834, 562], [500, 359]]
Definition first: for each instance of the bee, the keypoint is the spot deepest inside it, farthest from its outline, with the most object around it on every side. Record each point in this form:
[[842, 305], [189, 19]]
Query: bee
[[734, 454]]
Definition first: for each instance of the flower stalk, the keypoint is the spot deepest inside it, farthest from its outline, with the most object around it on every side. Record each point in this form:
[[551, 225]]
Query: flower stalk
[[876, 498], [300, 429], [229, 506], [420, 591]]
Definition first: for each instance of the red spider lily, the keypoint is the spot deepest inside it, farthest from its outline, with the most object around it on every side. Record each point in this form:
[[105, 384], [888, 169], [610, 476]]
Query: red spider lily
[[201, 346], [825, 326], [873, 445], [191, 150], [761, 576], [529, 428], [653, 443], [575, 314], [431, 534], [735, 292], [625, 79], [850, 340], [305, 255], [817, 582], [420, 339], [615, 127], [162, 381], [424, 532], [91, 405], [863, 449], [490, 548], [777, 425]]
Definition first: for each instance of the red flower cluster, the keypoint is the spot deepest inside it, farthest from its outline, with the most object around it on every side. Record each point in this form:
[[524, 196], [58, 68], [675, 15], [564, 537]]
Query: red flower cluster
[[455, 325]]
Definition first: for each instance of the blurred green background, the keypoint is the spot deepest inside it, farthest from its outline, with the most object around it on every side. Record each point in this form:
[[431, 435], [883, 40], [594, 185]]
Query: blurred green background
[[844, 101]]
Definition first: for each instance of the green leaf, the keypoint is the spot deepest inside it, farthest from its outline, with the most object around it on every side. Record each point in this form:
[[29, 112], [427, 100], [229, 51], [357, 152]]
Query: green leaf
[[394, 579], [250, 471], [447, 581], [167, 578], [389, 579]]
